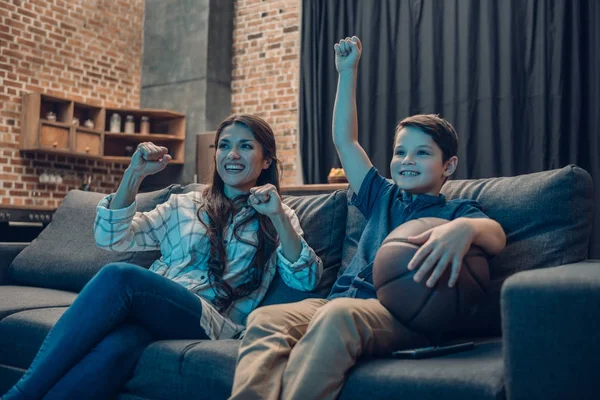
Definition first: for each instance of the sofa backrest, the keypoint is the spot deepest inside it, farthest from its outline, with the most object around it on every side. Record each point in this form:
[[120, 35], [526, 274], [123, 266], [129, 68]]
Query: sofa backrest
[[547, 217], [65, 255]]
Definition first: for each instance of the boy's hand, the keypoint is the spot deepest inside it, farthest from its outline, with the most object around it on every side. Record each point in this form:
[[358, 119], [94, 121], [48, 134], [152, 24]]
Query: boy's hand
[[265, 200], [443, 245], [149, 159], [347, 54]]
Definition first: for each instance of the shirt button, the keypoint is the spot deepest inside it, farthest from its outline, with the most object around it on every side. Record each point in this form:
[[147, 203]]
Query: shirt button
[[202, 277]]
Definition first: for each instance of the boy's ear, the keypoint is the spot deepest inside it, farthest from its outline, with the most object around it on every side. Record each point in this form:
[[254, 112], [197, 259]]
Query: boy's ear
[[451, 165]]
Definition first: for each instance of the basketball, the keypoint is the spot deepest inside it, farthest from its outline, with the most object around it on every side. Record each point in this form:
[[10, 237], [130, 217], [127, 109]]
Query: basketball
[[420, 308]]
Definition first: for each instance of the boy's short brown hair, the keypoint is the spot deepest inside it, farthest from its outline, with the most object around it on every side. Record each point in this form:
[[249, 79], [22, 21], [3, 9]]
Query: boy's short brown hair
[[440, 130]]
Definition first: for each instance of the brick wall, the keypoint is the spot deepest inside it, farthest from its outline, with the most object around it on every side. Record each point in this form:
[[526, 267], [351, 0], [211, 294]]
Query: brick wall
[[86, 50], [266, 76]]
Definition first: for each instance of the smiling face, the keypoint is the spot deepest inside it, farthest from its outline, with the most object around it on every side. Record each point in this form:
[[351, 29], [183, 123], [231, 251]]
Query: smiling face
[[417, 166], [239, 159]]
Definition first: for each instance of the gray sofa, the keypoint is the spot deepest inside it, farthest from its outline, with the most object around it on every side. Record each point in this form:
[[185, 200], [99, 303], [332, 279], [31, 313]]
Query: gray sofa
[[537, 331]]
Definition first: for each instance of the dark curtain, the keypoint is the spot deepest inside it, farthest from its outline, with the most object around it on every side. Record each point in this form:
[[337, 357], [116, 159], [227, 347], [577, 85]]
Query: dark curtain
[[518, 79]]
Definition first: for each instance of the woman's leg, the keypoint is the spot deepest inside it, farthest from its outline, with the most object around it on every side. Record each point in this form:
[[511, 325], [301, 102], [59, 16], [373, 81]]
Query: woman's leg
[[340, 332], [119, 292], [271, 333], [104, 370]]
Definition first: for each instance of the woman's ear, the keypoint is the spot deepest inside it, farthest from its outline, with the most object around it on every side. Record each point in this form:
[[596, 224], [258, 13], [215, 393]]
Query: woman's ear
[[267, 163], [451, 165]]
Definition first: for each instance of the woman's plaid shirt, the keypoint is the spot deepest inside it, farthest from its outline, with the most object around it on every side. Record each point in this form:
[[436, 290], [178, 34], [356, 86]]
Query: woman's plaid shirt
[[174, 229]]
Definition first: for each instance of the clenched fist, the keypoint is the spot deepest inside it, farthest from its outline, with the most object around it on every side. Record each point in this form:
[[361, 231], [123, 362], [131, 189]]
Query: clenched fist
[[149, 159], [347, 54]]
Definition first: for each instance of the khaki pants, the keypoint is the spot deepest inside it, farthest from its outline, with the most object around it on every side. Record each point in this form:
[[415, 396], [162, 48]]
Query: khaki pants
[[303, 350]]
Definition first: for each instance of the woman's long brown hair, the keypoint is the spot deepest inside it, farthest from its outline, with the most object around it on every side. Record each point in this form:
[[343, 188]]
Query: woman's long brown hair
[[221, 209]]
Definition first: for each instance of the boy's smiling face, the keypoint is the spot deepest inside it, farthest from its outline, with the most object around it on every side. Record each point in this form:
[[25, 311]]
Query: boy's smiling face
[[417, 165]]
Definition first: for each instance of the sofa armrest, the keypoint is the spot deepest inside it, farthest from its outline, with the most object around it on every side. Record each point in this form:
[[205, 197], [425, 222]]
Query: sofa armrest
[[551, 323], [8, 252]]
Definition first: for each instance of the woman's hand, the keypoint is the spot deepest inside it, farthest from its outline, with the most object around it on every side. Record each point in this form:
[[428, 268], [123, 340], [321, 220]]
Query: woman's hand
[[265, 200], [149, 159], [347, 54], [442, 246]]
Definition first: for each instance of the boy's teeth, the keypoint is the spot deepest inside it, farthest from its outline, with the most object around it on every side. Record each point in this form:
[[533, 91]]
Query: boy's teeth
[[408, 173]]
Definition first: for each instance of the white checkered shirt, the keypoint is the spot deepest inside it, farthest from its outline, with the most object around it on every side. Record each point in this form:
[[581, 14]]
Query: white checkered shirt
[[174, 229]]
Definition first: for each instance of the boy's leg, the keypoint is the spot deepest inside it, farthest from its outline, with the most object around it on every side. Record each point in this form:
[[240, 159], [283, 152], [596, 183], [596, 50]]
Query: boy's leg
[[119, 292], [271, 333], [104, 370], [340, 332]]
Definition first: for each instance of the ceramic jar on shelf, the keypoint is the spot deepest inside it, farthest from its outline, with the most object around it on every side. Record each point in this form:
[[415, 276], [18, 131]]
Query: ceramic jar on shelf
[[145, 126], [115, 123], [129, 124]]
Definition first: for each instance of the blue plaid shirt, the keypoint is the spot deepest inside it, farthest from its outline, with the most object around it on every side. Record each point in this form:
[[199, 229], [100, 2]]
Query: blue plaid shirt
[[174, 229]]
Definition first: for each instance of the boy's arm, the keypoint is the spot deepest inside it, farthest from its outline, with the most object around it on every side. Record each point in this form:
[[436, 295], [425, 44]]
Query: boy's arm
[[489, 235], [354, 160], [446, 245]]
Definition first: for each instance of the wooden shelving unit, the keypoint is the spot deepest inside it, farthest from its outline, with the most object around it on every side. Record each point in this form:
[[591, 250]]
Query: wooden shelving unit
[[65, 137]]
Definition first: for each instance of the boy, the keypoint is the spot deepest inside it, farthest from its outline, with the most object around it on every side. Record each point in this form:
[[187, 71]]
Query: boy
[[303, 350]]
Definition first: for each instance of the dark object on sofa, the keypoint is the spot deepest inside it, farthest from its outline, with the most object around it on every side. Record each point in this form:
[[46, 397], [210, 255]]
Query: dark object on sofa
[[423, 309], [544, 347]]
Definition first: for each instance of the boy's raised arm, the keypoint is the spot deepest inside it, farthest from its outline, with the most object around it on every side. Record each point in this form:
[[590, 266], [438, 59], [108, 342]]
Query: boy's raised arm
[[354, 160]]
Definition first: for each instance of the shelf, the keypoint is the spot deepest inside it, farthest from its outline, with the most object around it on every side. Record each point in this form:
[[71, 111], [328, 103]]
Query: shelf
[[127, 160], [66, 153], [139, 137], [55, 123], [88, 130], [157, 113], [38, 134], [83, 112]]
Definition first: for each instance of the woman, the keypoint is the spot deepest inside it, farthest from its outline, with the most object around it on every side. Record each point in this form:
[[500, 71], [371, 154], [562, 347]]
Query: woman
[[220, 250]]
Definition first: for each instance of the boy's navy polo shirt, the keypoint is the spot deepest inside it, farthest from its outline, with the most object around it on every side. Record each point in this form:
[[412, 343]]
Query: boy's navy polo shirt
[[385, 207]]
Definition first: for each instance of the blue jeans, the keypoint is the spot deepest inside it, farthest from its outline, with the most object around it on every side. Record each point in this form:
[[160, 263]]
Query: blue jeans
[[94, 346]]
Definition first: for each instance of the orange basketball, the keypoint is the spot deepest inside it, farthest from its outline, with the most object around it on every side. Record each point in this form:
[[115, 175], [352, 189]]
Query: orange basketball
[[423, 309]]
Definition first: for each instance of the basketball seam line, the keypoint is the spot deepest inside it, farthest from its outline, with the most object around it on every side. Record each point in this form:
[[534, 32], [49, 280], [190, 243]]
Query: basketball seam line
[[420, 308], [402, 275], [468, 268]]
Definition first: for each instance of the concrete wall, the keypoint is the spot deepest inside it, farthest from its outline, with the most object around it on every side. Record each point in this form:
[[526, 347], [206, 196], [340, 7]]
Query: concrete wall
[[186, 67]]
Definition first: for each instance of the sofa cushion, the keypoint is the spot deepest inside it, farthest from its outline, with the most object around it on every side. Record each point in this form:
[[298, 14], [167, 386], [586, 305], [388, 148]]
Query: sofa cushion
[[204, 369], [25, 331], [21, 298], [474, 375], [65, 256], [188, 369], [546, 216], [323, 220]]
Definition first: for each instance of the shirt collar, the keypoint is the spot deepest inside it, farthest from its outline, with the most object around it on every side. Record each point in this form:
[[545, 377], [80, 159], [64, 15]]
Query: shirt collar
[[422, 198]]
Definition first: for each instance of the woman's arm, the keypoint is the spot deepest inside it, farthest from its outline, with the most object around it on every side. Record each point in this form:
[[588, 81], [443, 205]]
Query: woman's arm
[[148, 159], [265, 200], [298, 264], [115, 227], [291, 245]]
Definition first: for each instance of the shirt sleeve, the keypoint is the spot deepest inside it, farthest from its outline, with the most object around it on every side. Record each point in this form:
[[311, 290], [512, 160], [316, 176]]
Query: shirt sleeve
[[469, 209], [372, 189], [305, 273], [127, 230]]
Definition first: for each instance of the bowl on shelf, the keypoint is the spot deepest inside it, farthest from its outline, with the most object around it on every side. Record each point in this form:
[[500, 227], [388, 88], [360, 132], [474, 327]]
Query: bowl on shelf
[[337, 175]]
